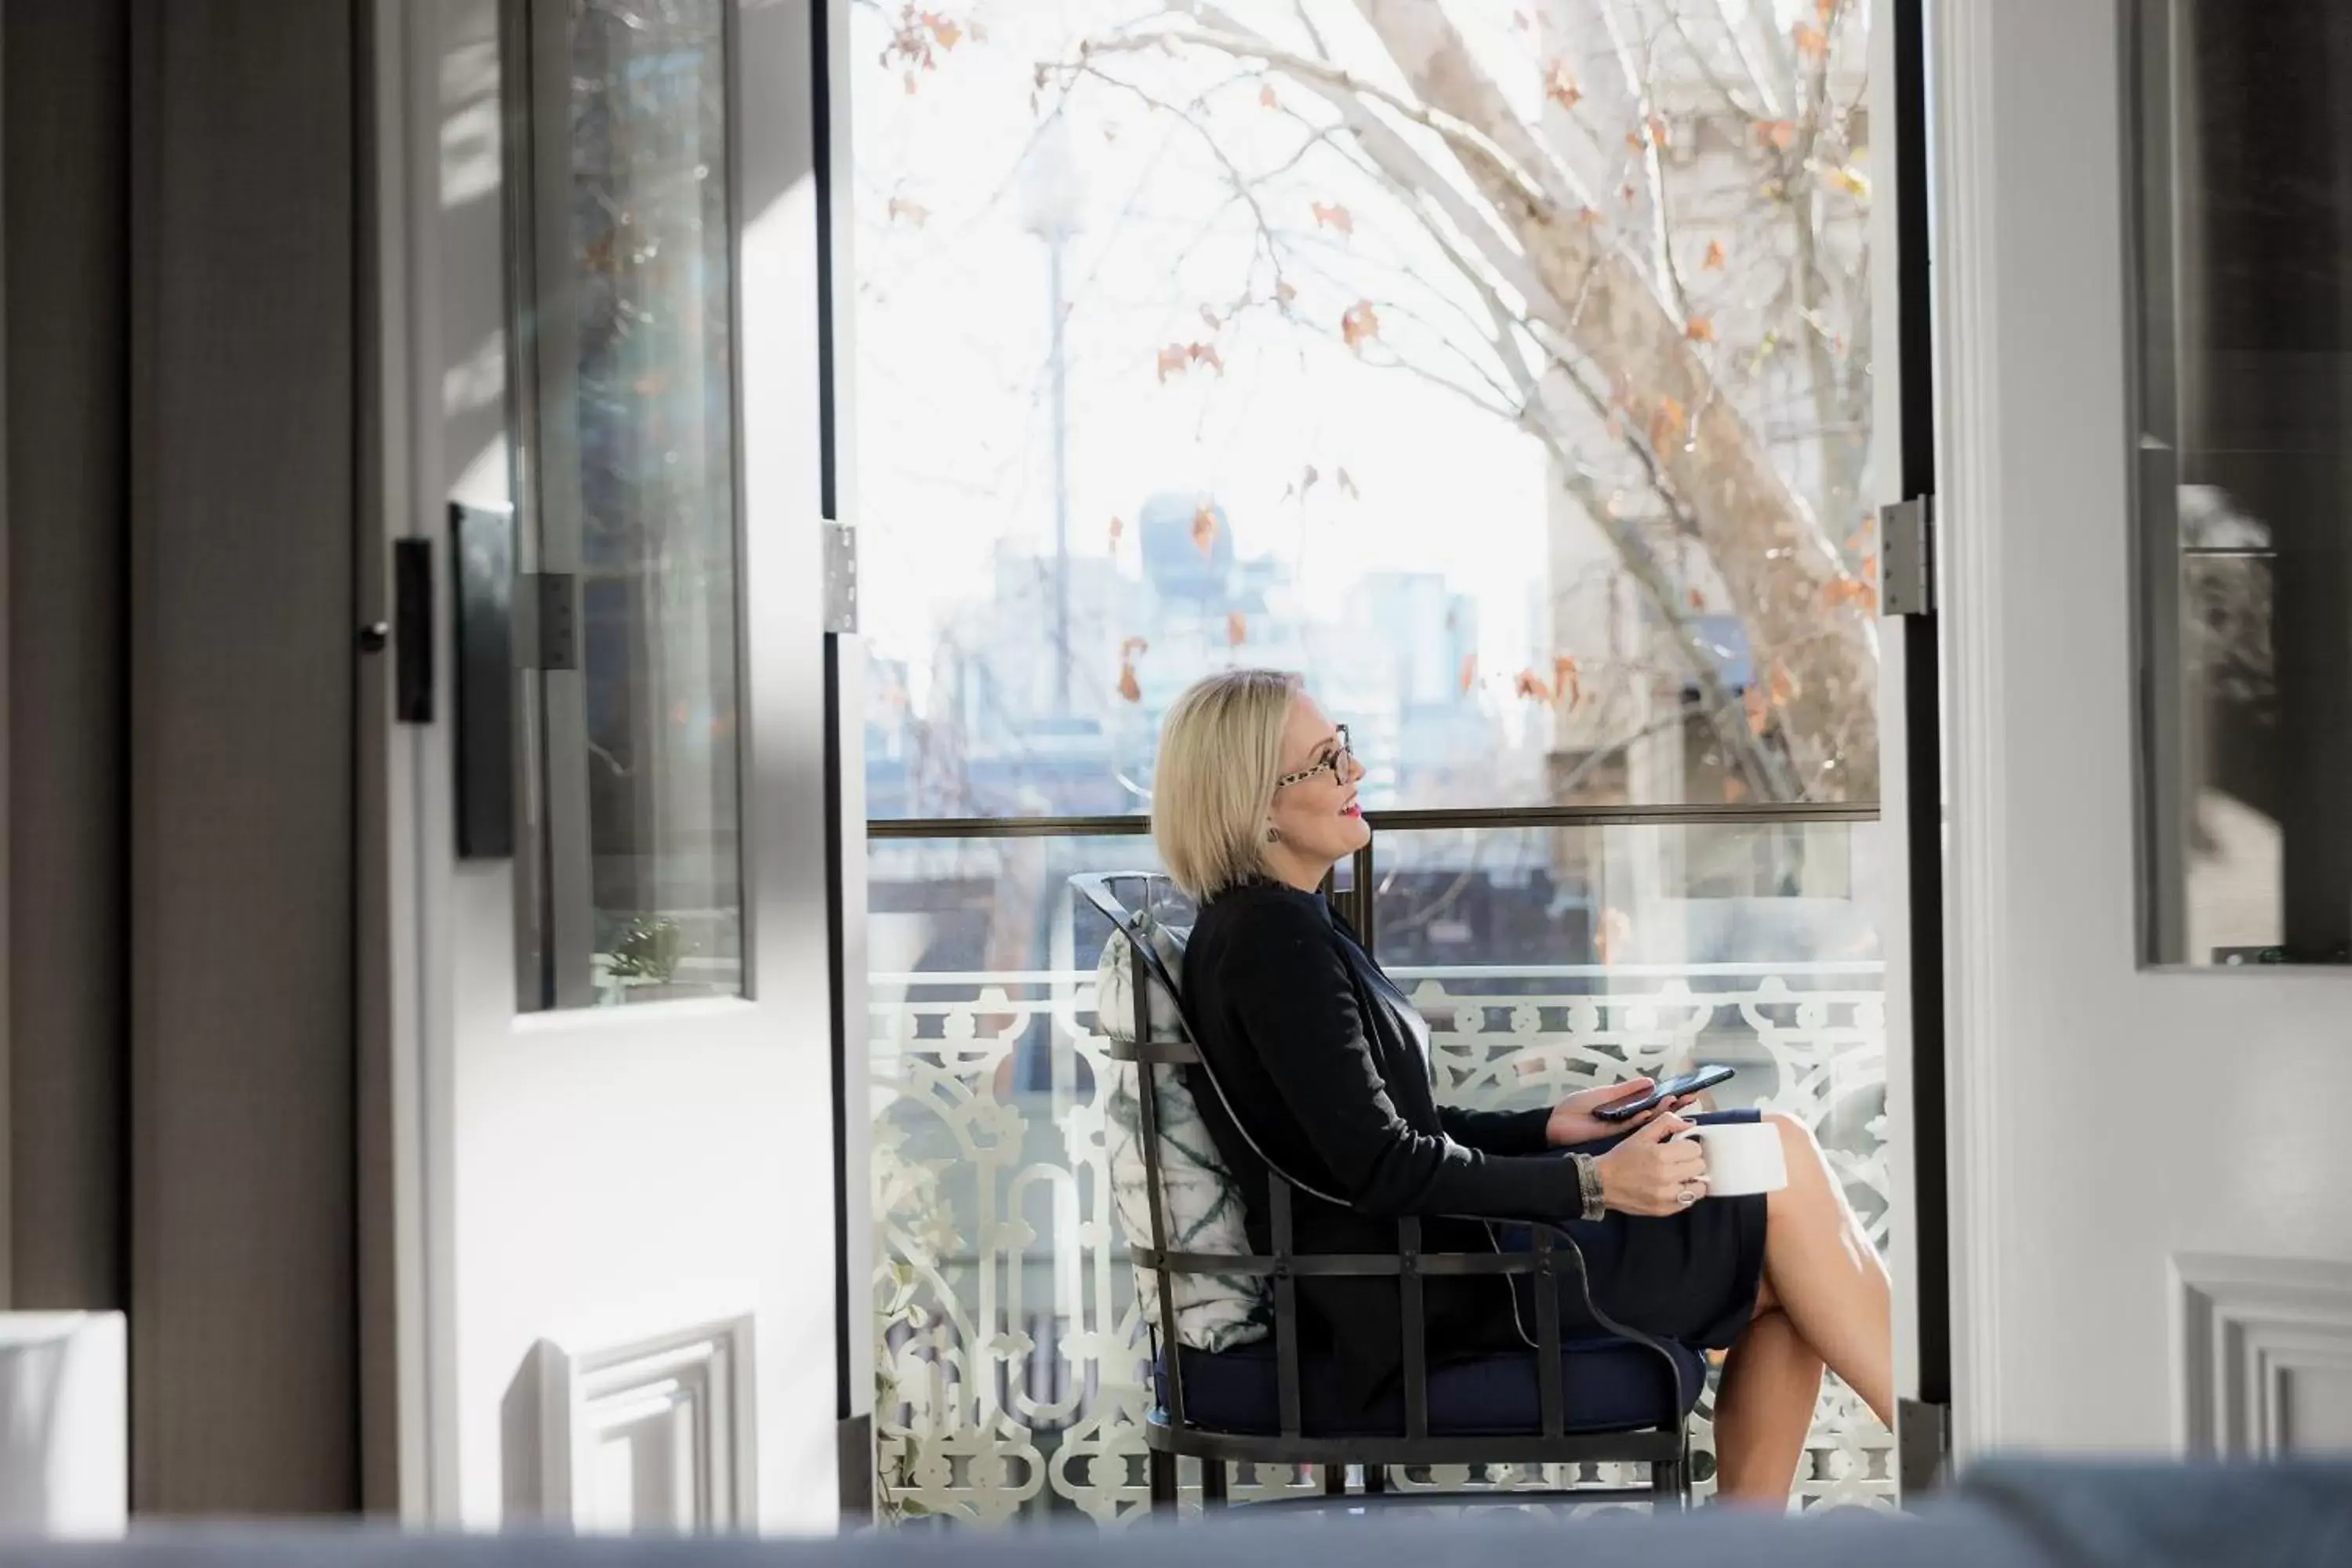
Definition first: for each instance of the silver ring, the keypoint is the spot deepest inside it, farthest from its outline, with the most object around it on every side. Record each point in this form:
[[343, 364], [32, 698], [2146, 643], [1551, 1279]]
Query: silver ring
[[1688, 1196]]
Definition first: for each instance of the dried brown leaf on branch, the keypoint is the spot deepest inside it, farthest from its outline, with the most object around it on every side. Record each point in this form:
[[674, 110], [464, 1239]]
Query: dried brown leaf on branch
[[1567, 679], [1267, 97], [1178, 358], [1129, 687], [1469, 677], [1810, 41], [1531, 686], [1560, 84], [916, 39], [1779, 134], [1118, 531], [1359, 325], [1237, 629], [1667, 423], [1784, 686], [1204, 528], [1699, 329], [1857, 591], [1332, 215], [1759, 711], [1715, 256]]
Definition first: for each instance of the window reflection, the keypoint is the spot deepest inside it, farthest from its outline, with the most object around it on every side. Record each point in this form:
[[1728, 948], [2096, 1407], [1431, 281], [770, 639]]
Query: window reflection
[[636, 482], [2245, 150]]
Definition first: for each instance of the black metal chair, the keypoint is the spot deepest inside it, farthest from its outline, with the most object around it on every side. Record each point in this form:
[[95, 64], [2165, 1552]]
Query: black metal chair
[[1246, 1406]]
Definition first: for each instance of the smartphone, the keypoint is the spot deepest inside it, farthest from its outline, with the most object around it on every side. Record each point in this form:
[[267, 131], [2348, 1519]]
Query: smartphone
[[1688, 1083]]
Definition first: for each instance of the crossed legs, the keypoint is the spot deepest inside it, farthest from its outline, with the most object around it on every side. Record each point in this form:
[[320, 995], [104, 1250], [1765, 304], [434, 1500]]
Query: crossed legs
[[1824, 1300]]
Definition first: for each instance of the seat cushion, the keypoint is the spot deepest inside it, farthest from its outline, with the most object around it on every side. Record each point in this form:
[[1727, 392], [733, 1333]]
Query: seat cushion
[[1607, 1384]]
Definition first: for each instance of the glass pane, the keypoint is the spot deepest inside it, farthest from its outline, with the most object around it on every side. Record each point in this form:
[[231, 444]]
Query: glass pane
[[637, 497], [2244, 142], [1549, 960], [1008, 1347], [1171, 358]]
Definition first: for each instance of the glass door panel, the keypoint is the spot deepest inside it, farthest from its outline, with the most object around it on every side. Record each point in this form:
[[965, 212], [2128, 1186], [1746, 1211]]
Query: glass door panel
[[632, 889]]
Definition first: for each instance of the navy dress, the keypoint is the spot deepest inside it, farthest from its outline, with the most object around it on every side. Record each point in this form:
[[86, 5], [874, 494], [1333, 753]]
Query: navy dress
[[1326, 1065]]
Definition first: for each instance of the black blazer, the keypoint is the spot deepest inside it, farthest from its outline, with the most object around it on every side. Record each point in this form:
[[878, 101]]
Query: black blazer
[[1326, 1065]]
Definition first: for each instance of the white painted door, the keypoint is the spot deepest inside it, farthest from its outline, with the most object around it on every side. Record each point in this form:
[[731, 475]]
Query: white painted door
[[612, 1121], [2152, 1208]]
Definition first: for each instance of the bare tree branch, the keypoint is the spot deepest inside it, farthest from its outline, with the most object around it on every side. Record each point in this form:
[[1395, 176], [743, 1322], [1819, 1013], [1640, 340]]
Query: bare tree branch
[[1507, 217], [1769, 551]]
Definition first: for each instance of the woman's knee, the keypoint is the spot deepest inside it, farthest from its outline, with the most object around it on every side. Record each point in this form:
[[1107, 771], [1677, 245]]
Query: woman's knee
[[1800, 1149]]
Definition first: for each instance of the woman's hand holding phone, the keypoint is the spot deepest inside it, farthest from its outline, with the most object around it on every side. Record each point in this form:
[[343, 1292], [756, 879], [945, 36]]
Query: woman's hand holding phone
[[1576, 1119]]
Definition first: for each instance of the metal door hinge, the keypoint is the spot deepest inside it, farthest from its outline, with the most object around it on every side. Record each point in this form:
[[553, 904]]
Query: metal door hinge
[[1923, 1445], [1907, 534], [549, 637], [840, 578], [853, 1439]]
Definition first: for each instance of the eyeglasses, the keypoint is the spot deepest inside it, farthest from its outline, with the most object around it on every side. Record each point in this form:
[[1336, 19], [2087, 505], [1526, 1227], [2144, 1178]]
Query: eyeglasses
[[1335, 764]]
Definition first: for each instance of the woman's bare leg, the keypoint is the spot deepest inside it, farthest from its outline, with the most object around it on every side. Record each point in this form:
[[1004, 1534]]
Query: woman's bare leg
[[1826, 1276], [1764, 1407]]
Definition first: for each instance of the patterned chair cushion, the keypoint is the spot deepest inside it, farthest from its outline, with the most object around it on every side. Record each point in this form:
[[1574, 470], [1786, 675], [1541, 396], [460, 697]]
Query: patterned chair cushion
[[1202, 1205]]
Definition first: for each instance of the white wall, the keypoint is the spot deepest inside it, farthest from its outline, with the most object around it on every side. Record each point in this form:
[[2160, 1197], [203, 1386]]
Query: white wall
[[2106, 1121]]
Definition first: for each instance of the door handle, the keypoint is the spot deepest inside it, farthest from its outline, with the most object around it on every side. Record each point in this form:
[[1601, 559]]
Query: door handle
[[482, 545], [411, 633]]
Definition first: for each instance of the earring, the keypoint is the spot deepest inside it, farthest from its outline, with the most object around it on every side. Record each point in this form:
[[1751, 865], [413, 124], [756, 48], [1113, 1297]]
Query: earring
[[1274, 835]]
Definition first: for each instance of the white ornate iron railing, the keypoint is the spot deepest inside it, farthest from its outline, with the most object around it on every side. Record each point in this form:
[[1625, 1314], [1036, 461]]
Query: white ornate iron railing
[[1009, 1356]]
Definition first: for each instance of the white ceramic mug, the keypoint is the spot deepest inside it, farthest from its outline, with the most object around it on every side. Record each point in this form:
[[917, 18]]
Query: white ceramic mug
[[1742, 1157]]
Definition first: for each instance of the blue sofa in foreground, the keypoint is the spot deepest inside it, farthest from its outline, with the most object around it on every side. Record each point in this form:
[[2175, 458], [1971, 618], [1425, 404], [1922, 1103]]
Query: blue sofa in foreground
[[2037, 1512]]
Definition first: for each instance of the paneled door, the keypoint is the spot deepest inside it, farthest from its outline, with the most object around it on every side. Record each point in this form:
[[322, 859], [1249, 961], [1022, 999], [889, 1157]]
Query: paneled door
[[613, 1144]]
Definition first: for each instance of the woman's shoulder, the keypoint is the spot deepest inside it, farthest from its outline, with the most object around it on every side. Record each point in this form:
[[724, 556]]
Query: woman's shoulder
[[1259, 917]]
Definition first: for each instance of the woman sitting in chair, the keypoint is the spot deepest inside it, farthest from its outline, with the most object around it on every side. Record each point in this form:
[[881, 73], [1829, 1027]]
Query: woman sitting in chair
[[1326, 1065]]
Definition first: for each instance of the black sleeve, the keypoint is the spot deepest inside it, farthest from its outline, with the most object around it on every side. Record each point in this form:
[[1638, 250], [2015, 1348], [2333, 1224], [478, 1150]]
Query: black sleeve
[[1290, 994], [1498, 1131]]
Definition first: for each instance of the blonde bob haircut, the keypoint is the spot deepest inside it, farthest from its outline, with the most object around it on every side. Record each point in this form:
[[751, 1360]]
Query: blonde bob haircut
[[1220, 752]]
